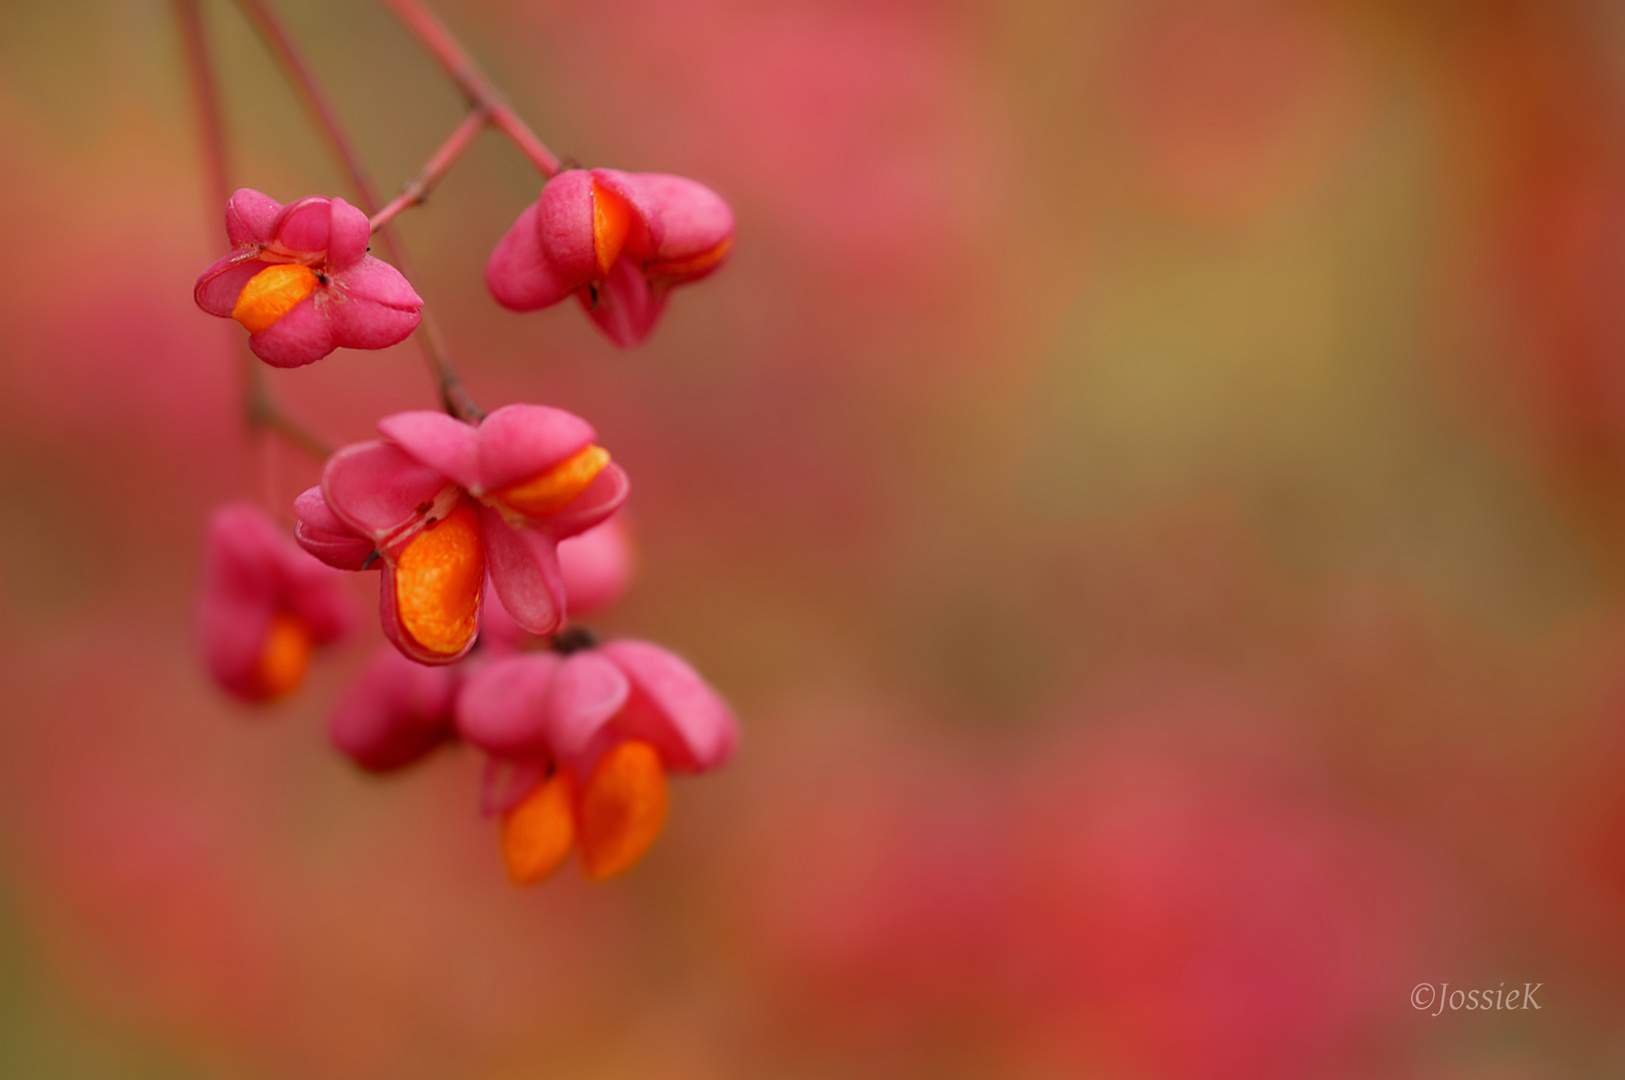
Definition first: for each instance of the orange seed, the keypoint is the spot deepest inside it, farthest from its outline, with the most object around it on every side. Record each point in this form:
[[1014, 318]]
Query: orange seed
[[283, 659], [537, 834], [554, 489], [611, 221], [693, 264], [438, 579], [623, 808], [271, 294]]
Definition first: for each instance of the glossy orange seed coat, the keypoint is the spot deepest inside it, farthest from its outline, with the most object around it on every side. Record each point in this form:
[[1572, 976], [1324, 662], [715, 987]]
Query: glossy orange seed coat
[[558, 487], [438, 579], [623, 808], [611, 222], [690, 266], [284, 658], [271, 294], [538, 833]]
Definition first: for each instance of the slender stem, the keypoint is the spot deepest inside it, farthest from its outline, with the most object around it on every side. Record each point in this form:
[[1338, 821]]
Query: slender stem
[[314, 99], [453, 396], [260, 413], [460, 67], [216, 166], [206, 104], [416, 192]]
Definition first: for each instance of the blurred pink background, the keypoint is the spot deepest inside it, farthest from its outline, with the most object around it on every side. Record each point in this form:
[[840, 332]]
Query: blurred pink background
[[1151, 481]]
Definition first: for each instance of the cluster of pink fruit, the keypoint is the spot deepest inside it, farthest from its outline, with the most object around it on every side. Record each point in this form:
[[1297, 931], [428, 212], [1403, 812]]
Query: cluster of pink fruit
[[490, 532]]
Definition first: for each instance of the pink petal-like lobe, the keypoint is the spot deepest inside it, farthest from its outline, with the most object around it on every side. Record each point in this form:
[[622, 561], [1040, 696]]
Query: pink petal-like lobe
[[395, 713], [222, 283], [378, 490], [302, 336], [501, 707], [317, 595], [441, 442], [373, 279], [672, 708], [564, 227], [585, 692], [505, 781], [358, 323], [348, 236], [695, 219], [252, 573], [320, 532], [625, 306], [238, 598], [250, 216], [524, 569], [597, 566], [518, 441], [303, 227], [519, 276], [499, 634]]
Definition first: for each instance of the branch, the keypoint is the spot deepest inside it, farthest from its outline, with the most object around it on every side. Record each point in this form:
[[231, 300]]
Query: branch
[[314, 99], [453, 396], [263, 413], [416, 192], [205, 103], [259, 411], [481, 93]]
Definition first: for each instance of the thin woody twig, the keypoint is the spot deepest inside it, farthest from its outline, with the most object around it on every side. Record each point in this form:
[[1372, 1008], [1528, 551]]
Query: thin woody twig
[[260, 412], [460, 67], [264, 413], [453, 396], [416, 192], [206, 104]]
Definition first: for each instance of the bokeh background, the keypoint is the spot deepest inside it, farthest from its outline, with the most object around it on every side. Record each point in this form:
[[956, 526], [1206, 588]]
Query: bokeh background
[[1151, 481]]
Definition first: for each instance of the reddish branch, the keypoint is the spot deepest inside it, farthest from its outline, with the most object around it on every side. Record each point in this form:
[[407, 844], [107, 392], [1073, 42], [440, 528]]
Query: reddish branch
[[259, 411], [453, 395], [417, 190], [205, 103], [474, 84]]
